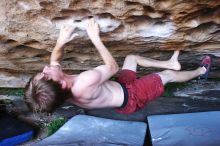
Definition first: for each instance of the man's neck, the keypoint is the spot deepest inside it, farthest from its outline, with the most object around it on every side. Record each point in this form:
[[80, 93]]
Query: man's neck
[[70, 80]]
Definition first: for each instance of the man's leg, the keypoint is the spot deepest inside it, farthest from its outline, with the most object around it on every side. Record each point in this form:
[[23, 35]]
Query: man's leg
[[168, 76], [131, 62]]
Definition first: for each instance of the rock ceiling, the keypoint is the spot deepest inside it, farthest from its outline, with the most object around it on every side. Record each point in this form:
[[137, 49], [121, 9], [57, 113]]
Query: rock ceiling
[[151, 28]]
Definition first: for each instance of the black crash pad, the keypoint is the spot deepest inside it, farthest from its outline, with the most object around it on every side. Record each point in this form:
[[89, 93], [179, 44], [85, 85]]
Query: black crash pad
[[13, 131]]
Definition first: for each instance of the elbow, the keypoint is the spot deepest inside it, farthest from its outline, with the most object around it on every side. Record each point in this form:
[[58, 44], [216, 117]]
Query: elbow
[[115, 68]]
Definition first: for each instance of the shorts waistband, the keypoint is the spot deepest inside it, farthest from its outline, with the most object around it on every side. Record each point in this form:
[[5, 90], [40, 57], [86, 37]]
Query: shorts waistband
[[125, 96]]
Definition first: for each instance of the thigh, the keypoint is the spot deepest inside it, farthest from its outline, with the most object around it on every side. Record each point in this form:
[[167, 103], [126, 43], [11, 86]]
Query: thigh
[[130, 63], [150, 87], [166, 76], [126, 76]]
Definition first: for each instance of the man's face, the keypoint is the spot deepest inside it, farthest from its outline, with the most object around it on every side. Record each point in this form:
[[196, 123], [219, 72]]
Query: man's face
[[50, 72]]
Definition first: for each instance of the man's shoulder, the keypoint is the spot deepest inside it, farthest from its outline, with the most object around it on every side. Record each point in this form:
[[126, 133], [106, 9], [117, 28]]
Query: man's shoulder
[[82, 85]]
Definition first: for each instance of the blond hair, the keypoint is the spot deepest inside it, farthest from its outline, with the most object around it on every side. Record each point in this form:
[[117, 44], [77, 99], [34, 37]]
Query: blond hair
[[44, 95]]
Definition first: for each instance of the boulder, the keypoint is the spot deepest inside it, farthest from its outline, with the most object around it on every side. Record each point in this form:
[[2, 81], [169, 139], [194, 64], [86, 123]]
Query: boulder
[[29, 29]]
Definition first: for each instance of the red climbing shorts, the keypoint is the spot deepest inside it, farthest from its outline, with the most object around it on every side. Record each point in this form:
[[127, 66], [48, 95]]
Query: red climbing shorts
[[139, 91]]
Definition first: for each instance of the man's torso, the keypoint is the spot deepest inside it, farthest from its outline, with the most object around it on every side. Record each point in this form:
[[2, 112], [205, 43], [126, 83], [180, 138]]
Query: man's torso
[[108, 94]]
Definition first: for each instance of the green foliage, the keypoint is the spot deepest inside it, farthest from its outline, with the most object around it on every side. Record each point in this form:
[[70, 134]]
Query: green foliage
[[54, 125], [172, 87], [12, 91], [114, 78]]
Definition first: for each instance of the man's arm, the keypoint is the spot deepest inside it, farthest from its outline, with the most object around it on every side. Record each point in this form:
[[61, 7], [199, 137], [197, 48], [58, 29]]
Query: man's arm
[[65, 36], [100, 74], [111, 65]]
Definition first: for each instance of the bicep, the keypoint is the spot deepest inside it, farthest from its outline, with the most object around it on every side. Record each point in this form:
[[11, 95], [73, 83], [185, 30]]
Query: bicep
[[105, 72], [97, 75]]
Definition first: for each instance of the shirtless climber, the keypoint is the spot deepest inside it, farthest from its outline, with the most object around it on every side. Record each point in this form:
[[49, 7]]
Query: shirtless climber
[[93, 89]]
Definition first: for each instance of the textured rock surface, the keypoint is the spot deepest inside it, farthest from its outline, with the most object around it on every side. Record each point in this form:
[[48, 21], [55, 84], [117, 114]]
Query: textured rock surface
[[152, 28]]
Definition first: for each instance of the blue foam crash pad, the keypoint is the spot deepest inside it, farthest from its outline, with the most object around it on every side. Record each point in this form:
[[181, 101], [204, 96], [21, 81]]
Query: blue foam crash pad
[[190, 129], [88, 130]]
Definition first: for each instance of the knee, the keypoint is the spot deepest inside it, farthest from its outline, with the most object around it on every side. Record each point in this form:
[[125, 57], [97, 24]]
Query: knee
[[131, 57]]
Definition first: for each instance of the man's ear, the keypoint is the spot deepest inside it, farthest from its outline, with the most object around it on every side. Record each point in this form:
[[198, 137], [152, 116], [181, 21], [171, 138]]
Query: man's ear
[[63, 84]]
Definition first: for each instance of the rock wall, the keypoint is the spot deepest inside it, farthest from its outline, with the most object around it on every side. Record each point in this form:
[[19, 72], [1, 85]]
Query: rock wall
[[151, 28]]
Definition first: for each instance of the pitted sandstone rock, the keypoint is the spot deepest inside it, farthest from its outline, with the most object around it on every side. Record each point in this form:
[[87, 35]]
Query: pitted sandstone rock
[[151, 28]]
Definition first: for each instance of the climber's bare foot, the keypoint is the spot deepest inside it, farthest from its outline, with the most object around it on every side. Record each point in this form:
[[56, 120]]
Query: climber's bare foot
[[174, 63]]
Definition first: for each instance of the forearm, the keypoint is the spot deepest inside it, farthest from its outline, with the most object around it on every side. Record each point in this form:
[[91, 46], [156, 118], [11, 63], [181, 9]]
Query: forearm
[[105, 54], [57, 53], [93, 33]]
